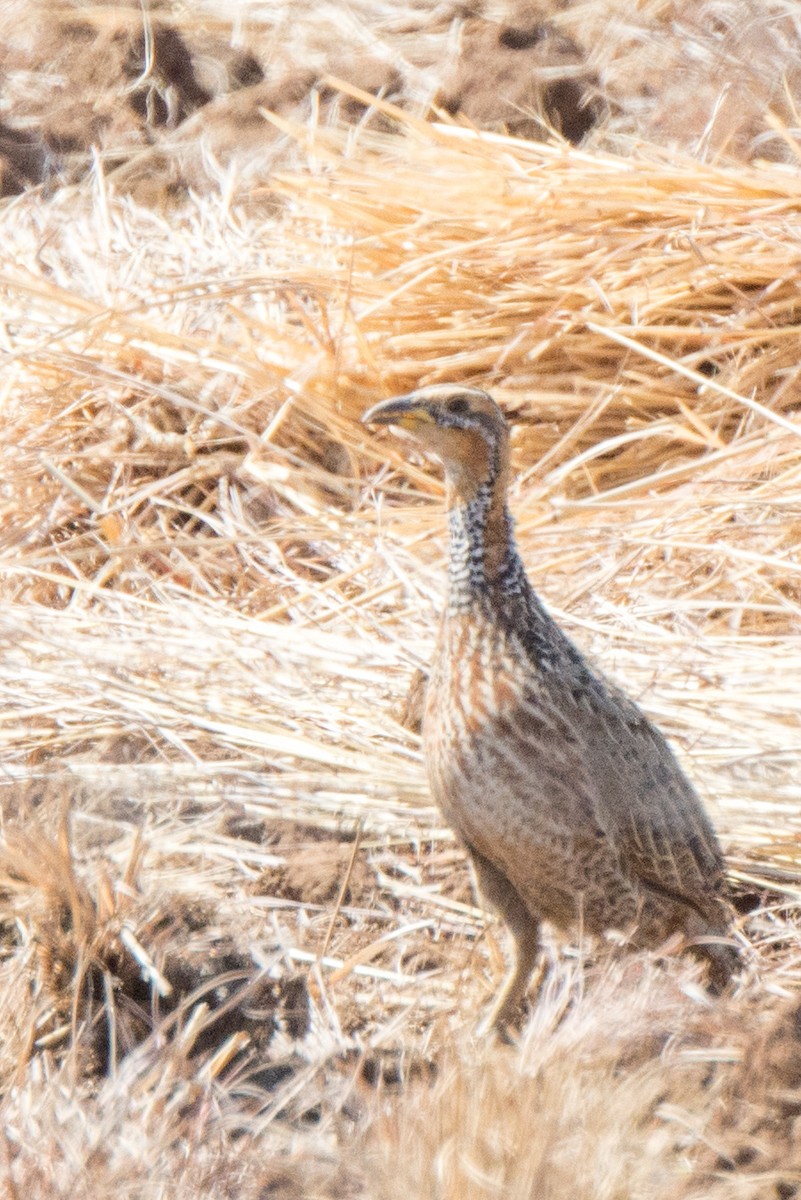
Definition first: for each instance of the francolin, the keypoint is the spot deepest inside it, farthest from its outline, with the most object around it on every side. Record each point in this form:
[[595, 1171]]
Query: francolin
[[569, 800]]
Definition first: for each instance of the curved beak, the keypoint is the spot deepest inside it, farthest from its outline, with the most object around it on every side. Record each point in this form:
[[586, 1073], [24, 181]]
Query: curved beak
[[406, 411]]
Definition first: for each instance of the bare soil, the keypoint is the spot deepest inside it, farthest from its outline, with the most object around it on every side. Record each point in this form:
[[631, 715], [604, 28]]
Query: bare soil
[[170, 101]]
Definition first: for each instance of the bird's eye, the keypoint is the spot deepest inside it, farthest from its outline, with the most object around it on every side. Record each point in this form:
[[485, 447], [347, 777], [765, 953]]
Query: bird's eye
[[459, 405]]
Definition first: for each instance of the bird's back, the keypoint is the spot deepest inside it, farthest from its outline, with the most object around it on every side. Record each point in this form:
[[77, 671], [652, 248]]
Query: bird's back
[[551, 772]]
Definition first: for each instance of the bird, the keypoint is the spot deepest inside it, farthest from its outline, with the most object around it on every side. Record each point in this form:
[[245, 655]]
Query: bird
[[572, 806]]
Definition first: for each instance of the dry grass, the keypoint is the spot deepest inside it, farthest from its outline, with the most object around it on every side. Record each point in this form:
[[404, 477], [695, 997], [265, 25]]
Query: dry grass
[[249, 959]]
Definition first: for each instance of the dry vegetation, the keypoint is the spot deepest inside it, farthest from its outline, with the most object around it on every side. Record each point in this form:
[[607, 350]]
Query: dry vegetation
[[240, 954]]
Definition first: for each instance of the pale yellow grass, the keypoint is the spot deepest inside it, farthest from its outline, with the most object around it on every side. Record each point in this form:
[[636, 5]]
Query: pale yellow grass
[[217, 585]]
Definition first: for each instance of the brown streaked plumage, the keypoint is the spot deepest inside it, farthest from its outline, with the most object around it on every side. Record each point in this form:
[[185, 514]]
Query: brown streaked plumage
[[570, 802]]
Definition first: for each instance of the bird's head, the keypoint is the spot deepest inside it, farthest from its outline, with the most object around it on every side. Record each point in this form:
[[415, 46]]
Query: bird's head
[[462, 426]]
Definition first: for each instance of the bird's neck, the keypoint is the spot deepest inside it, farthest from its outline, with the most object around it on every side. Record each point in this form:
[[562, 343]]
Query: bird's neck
[[485, 568]]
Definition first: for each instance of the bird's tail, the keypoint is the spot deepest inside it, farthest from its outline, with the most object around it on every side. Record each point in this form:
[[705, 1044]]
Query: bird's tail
[[712, 942]]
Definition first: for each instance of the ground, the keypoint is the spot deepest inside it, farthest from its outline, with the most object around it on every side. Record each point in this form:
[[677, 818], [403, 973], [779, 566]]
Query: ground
[[241, 953]]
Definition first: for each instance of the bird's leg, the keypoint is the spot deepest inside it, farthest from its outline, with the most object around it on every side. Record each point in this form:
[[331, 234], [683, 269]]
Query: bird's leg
[[525, 929], [505, 1013]]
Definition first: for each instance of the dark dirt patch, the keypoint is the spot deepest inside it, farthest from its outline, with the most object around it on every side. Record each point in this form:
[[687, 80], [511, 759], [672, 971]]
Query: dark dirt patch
[[522, 78], [315, 870], [161, 102], [153, 100], [23, 160]]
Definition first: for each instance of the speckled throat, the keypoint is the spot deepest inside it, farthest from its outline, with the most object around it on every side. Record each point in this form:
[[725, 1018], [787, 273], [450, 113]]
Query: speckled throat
[[484, 564], [486, 576]]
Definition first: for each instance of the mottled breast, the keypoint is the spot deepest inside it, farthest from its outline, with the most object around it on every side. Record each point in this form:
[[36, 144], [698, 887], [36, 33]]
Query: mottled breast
[[502, 758]]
